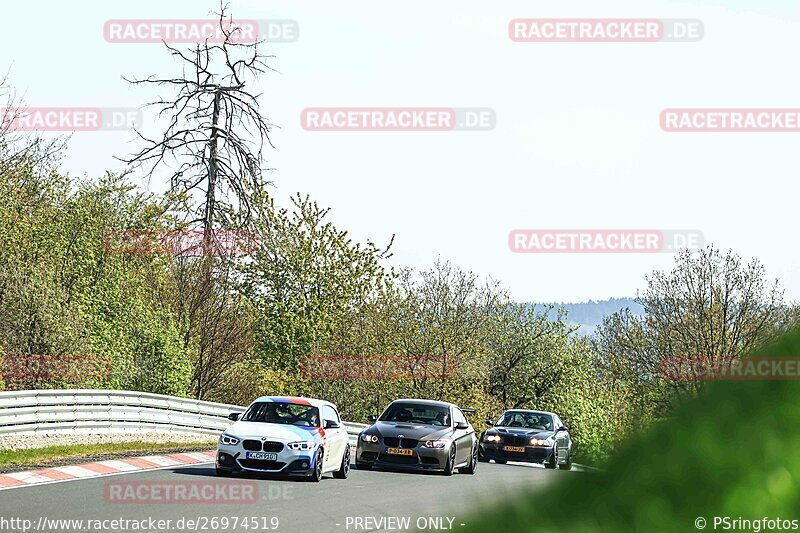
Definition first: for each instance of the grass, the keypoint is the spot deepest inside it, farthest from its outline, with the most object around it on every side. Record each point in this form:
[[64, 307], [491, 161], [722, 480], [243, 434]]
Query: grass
[[734, 452], [41, 457]]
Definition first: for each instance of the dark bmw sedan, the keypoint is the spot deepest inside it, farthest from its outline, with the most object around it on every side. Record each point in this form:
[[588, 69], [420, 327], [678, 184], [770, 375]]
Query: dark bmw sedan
[[527, 436], [419, 435]]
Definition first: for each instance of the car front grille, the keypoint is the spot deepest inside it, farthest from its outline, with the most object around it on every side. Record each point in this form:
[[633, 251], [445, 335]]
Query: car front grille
[[516, 441], [272, 446], [394, 442], [252, 445], [398, 459], [259, 464], [267, 446]]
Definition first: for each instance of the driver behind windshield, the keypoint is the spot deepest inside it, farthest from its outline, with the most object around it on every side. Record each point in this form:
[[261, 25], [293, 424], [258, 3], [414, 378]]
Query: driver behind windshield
[[527, 420], [432, 415], [283, 413]]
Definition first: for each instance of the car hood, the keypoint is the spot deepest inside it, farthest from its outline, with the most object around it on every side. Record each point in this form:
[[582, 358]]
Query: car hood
[[280, 432], [521, 432], [409, 431]]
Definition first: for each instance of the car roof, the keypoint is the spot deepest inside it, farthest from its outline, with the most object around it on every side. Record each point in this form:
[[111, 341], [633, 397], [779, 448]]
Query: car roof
[[298, 400], [424, 402], [529, 411]]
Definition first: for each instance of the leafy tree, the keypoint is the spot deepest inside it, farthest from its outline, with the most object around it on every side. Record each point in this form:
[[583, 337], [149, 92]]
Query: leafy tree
[[305, 276], [710, 307]]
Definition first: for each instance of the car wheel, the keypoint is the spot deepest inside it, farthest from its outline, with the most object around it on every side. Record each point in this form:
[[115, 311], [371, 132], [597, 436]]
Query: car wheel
[[316, 474], [481, 458], [451, 461], [553, 462], [223, 473], [568, 464], [500, 461], [473, 463], [344, 469]]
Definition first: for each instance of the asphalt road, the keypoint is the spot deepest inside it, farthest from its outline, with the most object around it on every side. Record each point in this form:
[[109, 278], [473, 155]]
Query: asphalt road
[[367, 501]]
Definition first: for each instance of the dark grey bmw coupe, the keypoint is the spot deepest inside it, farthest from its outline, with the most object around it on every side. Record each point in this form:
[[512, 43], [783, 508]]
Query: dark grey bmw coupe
[[421, 435], [527, 436]]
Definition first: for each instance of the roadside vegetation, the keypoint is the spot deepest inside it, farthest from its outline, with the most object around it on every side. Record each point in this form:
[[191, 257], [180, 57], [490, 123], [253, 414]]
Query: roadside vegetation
[[730, 453], [86, 301]]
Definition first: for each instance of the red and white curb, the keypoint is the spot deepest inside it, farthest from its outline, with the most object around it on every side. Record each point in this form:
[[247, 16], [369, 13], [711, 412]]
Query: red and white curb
[[127, 465]]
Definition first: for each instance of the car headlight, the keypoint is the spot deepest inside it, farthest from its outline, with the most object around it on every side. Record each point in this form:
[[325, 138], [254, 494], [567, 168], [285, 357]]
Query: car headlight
[[542, 442], [228, 440], [492, 438], [302, 445], [366, 437], [435, 443]]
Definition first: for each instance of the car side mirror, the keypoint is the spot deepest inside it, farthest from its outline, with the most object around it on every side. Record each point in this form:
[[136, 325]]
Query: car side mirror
[[234, 416], [563, 428], [489, 423], [461, 425], [332, 424], [372, 418]]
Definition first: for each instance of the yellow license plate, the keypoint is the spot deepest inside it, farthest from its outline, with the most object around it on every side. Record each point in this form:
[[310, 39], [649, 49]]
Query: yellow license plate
[[399, 451], [519, 449]]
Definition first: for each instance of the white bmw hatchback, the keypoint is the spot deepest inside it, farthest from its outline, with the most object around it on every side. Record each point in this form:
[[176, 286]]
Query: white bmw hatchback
[[285, 435]]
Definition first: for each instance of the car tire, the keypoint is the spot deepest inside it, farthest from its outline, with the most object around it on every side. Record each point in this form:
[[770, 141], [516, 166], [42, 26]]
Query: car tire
[[449, 468], [344, 469], [553, 462], [481, 458], [316, 474], [363, 466], [500, 461], [473, 463], [568, 464], [223, 473]]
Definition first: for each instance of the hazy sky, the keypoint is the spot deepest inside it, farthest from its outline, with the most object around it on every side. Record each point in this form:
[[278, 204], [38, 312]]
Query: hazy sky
[[577, 142]]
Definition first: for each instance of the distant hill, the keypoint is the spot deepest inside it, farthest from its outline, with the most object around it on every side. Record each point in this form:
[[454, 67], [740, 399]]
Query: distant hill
[[589, 315]]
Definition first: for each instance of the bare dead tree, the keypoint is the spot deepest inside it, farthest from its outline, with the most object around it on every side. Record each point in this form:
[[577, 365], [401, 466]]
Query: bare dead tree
[[214, 143], [212, 149]]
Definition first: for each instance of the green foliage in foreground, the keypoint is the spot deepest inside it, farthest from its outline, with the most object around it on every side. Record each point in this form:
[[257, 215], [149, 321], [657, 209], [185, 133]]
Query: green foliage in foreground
[[733, 452], [37, 456]]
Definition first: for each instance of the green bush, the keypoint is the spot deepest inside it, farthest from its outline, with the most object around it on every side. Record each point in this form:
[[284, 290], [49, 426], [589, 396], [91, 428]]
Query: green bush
[[733, 452]]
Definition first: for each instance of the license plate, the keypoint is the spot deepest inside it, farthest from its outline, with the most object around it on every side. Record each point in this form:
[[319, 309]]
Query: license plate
[[399, 451], [519, 449], [263, 456]]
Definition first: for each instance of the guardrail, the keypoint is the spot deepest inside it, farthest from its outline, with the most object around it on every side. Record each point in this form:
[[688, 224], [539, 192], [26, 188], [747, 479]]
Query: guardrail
[[113, 411]]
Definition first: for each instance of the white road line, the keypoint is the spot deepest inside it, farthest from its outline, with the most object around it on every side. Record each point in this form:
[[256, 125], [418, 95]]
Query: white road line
[[160, 460], [28, 477], [119, 465], [76, 471], [198, 456]]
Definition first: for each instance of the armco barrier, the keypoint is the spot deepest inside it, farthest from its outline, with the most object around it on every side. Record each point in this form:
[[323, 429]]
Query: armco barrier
[[113, 411]]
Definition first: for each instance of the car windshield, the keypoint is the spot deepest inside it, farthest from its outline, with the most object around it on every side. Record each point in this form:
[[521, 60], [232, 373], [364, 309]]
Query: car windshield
[[516, 419], [414, 413], [282, 413]]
